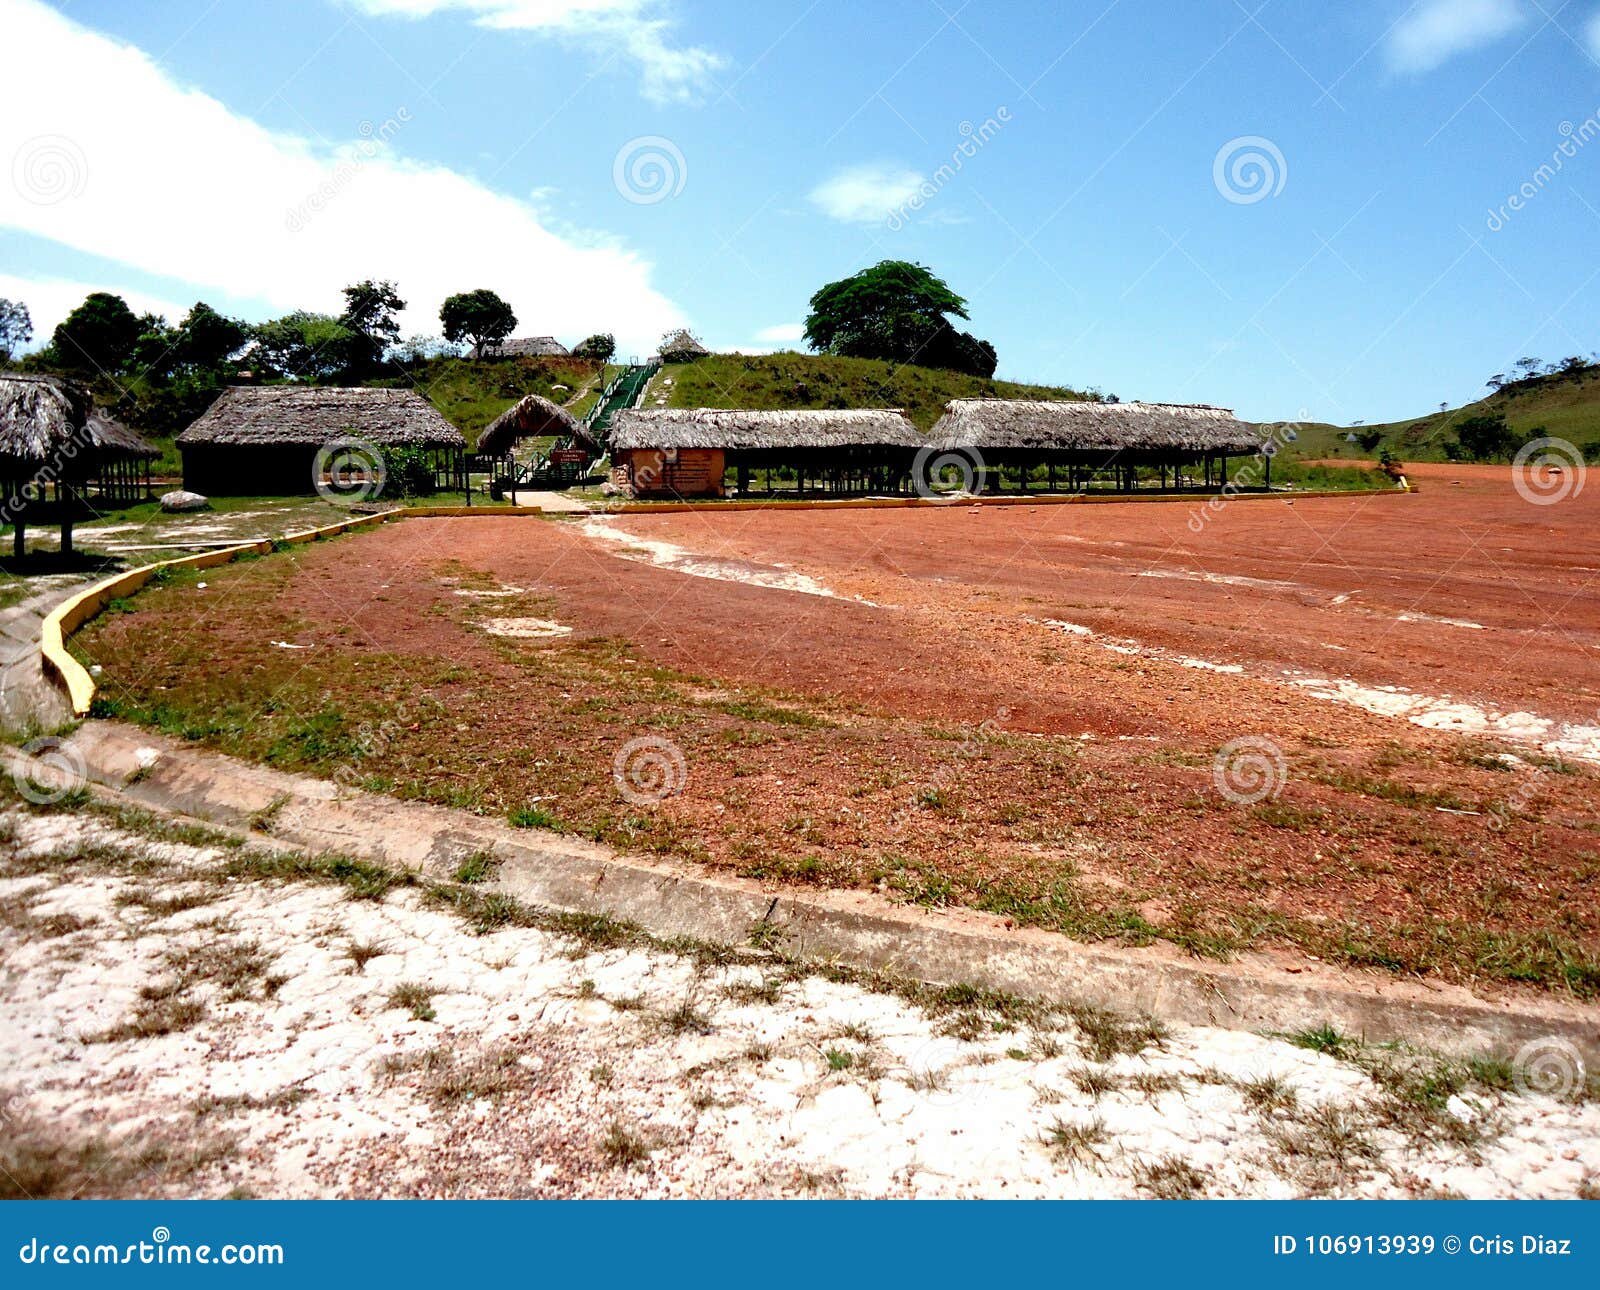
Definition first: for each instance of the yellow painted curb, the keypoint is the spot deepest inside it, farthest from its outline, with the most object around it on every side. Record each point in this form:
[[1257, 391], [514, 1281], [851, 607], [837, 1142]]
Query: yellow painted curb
[[1031, 499], [74, 612]]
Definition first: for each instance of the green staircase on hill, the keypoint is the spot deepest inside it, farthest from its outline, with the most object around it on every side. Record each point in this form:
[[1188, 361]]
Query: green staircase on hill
[[620, 394]]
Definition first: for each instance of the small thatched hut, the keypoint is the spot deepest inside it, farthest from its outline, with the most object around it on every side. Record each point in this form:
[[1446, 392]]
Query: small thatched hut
[[264, 439], [1085, 439], [529, 347], [681, 347], [687, 452], [534, 417], [61, 458]]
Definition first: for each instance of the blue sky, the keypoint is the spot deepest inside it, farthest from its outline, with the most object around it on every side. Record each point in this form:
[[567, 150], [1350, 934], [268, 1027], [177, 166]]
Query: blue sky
[[1293, 209]]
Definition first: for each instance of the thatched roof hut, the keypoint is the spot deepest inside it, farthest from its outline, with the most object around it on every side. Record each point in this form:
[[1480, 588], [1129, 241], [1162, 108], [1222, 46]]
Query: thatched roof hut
[[681, 347], [529, 347], [532, 418], [264, 439], [45, 419], [1022, 426], [61, 458], [751, 430], [309, 415]]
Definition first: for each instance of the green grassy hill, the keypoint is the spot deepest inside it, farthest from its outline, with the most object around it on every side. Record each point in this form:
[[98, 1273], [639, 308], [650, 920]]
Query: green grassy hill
[[1564, 406], [811, 381], [472, 394]]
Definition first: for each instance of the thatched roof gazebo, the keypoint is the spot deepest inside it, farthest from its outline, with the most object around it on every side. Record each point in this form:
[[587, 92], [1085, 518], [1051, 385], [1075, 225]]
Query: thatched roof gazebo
[[265, 439], [687, 451], [533, 417], [681, 347], [61, 458], [1090, 438]]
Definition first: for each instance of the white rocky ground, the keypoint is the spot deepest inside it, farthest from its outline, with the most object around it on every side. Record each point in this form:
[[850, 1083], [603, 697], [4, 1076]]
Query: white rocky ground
[[172, 1030]]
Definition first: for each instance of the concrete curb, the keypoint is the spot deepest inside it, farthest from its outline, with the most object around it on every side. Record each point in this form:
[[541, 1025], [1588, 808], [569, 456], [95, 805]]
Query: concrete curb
[[1264, 992]]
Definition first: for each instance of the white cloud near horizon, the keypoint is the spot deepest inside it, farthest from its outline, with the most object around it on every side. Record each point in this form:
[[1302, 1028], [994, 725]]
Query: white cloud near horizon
[[51, 299], [669, 72], [1435, 31], [866, 194], [1591, 35], [782, 332], [110, 157]]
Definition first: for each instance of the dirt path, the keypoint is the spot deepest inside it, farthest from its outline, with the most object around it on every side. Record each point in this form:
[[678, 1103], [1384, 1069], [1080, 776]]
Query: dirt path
[[185, 1023]]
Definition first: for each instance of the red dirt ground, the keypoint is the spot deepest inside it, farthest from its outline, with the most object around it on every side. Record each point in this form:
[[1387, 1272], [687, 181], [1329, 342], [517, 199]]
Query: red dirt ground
[[1122, 801]]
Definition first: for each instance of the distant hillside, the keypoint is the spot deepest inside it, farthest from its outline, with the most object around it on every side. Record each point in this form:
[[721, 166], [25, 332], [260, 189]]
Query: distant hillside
[[809, 381], [1562, 405]]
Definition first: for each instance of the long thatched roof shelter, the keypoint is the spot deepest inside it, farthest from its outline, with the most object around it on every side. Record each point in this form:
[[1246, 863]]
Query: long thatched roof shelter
[[533, 417], [528, 347], [61, 458], [265, 439], [1092, 439], [688, 451], [753, 430]]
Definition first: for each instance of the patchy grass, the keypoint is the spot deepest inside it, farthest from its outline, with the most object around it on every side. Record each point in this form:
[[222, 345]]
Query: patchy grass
[[1075, 1144], [415, 998], [624, 1148], [1169, 1178]]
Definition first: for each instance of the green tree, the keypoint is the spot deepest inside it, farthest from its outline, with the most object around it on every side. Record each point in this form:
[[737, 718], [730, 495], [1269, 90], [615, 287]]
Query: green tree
[[895, 311], [16, 328], [369, 313], [207, 339], [306, 345], [99, 335], [479, 316], [603, 346], [1485, 438]]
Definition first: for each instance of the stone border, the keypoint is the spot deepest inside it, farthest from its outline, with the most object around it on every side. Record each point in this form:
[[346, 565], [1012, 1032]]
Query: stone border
[[1263, 992]]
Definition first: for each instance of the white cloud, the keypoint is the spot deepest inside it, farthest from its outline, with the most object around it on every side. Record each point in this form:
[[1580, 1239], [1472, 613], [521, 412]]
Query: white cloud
[[672, 73], [1437, 30], [49, 300], [110, 157], [867, 194], [1591, 34], [782, 332]]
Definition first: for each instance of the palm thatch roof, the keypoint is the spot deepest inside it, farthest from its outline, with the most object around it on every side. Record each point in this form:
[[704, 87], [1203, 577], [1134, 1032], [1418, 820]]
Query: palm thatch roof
[[530, 347], [682, 345], [43, 417], [749, 429], [1024, 425], [533, 418], [310, 416]]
